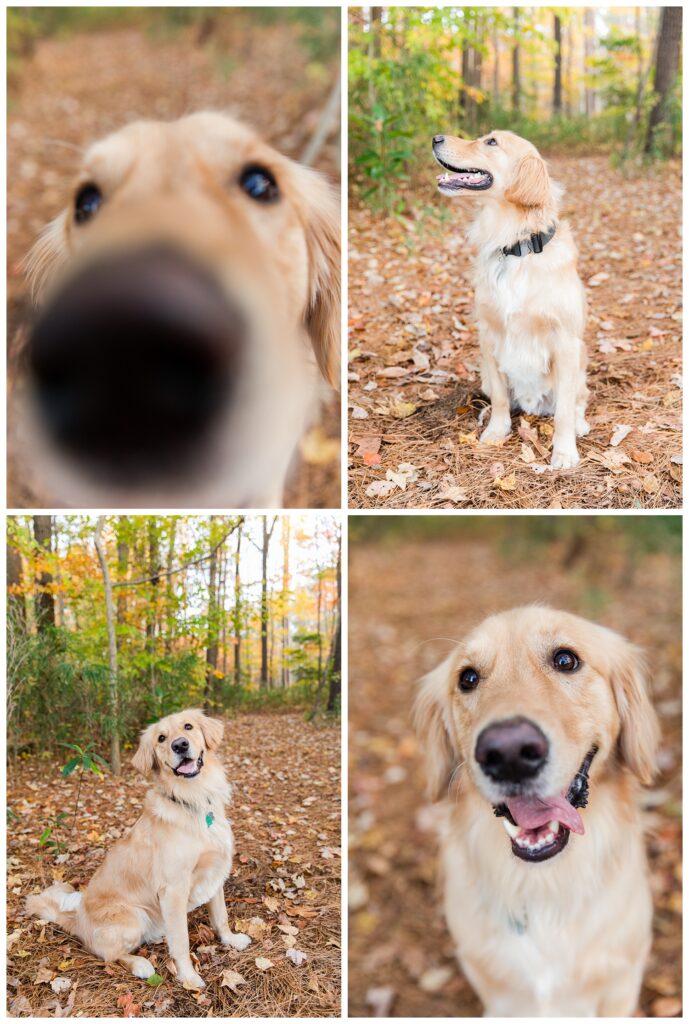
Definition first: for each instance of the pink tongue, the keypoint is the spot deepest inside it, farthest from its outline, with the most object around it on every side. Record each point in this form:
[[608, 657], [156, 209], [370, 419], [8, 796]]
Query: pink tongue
[[533, 812], [187, 767]]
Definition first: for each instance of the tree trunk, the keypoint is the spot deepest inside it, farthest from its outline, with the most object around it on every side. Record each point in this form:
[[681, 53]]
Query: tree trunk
[[665, 73], [170, 618], [212, 634], [122, 567], [237, 612], [285, 599], [112, 649], [16, 608], [335, 682], [589, 47], [45, 600], [496, 66], [152, 607], [516, 70], [267, 534], [557, 84]]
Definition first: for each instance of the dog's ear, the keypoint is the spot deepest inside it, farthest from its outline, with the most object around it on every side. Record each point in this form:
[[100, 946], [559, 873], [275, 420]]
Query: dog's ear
[[434, 728], [530, 186], [639, 729], [144, 759], [322, 229], [212, 730]]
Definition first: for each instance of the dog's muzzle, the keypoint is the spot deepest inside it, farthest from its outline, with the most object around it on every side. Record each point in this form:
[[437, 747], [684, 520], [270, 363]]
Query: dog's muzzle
[[188, 767], [132, 363]]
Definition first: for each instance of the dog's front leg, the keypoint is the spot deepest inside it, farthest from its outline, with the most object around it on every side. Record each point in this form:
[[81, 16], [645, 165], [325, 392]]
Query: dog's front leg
[[565, 454], [217, 911], [495, 386], [174, 902]]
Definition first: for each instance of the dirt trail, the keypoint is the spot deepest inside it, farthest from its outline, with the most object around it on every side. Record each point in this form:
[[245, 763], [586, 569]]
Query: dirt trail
[[286, 819], [76, 89], [405, 597], [410, 287]]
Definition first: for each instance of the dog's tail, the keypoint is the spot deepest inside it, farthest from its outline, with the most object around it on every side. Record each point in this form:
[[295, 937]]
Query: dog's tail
[[59, 904]]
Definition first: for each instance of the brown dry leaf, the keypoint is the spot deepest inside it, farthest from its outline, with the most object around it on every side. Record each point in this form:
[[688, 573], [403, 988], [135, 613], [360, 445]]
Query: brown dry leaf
[[272, 904], [613, 459], [231, 979], [469, 438], [128, 1006], [643, 457], [619, 434], [650, 483], [530, 434], [400, 410], [666, 1006], [507, 483], [527, 454]]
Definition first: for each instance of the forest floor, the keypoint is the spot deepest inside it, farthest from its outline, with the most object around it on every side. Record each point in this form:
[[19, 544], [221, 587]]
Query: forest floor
[[414, 381], [79, 87], [284, 889], [402, 596]]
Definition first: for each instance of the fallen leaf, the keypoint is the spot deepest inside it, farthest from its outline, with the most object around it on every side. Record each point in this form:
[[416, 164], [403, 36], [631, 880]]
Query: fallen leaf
[[263, 963], [380, 489], [619, 434], [318, 449], [666, 1006], [59, 985], [296, 956], [400, 410], [643, 457], [650, 483], [380, 999], [406, 474], [128, 1006], [231, 979], [527, 454], [435, 978], [358, 413], [597, 279], [507, 483]]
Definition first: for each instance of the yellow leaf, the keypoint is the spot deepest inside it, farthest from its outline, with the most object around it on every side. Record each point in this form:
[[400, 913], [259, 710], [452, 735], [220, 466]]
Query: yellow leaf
[[507, 483], [400, 410], [527, 454], [318, 449]]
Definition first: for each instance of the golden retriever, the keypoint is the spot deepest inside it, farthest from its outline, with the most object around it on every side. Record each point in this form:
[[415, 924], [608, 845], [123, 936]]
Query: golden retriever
[[176, 857], [529, 299], [537, 730], [186, 292]]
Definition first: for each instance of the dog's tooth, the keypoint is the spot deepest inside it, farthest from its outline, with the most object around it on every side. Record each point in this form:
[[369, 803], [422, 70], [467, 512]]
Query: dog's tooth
[[554, 827], [512, 830]]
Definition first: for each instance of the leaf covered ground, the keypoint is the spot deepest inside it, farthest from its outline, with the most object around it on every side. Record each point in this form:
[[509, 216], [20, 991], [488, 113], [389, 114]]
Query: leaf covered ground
[[414, 381], [405, 596], [284, 889], [78, 87]]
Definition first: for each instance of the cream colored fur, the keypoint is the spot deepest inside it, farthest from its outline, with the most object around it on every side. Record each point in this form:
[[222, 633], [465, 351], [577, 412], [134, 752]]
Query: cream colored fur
[[177, 182], [569, 936], [531, 309], [169, 863]]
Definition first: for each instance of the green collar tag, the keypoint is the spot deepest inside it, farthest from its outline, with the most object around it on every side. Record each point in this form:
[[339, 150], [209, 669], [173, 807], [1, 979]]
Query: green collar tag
[[210, 818]]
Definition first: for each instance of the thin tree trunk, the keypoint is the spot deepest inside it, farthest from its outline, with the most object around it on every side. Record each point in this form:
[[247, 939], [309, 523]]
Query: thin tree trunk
[[16, 608], [112, 649], [267, 534], [335, 681], [666, 69], [152, 611], [122, 566], [285, 599], [557, 84], [238, 611], [212, 635], [589, 47], [45, 601], [170, 619], [516, 70]]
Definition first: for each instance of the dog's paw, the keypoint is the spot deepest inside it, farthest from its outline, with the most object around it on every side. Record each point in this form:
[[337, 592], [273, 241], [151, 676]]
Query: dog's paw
[[582, 428], [495, 433], [142, 968], [191, 980], [565, 458], [237, 941]]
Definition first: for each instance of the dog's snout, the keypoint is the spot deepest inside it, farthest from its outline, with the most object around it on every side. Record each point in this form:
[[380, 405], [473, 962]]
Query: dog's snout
[[511, 751], [180, 747], [438, 140], [134, 360]]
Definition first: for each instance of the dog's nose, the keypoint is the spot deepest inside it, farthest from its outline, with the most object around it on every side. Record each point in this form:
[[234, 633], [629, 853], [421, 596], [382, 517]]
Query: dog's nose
[[133, 361], [511, 751], [438, 140], [180, 747]]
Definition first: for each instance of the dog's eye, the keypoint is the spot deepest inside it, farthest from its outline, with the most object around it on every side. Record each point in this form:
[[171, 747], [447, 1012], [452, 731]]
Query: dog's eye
[[259, 183], [565, 661], [490, 142], [188, 726], [468, 680], [87, 202], [160, 739]]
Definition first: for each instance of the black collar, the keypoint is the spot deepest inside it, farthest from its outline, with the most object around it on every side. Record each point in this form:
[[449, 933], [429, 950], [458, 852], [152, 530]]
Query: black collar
[[534, 243]]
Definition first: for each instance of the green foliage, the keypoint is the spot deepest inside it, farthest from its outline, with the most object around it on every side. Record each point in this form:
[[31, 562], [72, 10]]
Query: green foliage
[[50, 838], [86, 760], [299, 695]]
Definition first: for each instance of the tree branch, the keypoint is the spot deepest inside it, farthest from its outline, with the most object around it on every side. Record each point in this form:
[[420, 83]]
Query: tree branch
[[187, 565]]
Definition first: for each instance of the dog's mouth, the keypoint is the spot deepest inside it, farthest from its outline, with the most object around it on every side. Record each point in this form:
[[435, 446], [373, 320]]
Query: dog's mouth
[[189, 767], [457, 178], [538, 828]]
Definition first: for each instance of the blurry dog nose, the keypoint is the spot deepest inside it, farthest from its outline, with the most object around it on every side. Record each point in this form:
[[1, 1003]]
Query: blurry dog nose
[[180, 747], [438, 139], [511, 751], [132, 362]]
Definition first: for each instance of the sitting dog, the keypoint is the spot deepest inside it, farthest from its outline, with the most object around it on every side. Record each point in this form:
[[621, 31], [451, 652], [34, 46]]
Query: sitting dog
[[537, 729], [529, 299], [188, 294], [176, 857]]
